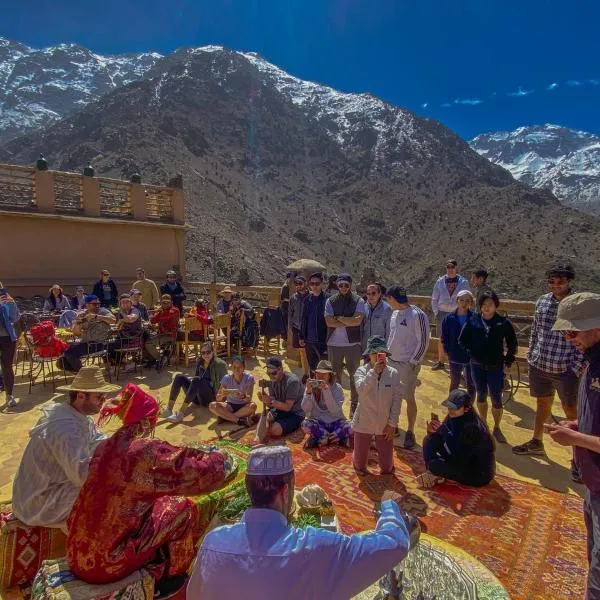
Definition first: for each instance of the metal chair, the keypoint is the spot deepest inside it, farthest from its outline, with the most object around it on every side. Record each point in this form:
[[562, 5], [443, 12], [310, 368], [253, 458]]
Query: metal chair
[[42, 365], [128, 346]]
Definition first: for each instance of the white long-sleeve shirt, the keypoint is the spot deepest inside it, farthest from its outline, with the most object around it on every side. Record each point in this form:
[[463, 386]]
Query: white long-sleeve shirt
[[442, 300], [409, 335], [54, 466]]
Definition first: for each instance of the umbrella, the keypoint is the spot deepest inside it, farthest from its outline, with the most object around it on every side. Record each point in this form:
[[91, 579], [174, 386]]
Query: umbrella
[[305, 264]]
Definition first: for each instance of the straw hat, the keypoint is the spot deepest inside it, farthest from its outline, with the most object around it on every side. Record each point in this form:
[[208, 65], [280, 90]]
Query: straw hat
[[324, 366], [226, 290], [90, 379]]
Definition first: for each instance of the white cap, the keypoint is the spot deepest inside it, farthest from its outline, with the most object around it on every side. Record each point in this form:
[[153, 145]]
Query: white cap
[[270, 460], [465, 293]]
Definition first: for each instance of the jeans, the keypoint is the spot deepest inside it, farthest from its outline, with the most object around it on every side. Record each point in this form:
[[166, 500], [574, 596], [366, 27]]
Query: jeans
[[350, 355], [8, 349], [591, 515], [197, 390], [456, 370], [71, 359], [491, 380]]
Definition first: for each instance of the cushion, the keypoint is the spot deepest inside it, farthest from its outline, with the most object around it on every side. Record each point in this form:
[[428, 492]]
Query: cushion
[[23, 548], [55, 581]]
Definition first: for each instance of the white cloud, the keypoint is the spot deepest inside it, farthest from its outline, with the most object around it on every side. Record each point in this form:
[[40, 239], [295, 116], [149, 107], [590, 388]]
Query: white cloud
[[468, 101], [574, 83], [446, 105], [552, 86], [425, 105], [520, 93]]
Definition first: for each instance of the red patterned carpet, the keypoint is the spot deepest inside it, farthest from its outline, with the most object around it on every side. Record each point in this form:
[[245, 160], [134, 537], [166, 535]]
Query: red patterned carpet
[[531, 538]]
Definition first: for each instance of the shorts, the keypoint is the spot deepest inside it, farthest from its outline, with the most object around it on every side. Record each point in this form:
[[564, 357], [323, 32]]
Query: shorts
[[289, 421], [295, 338], [542, 384], [408, 375], [235, 406], [441, 315]]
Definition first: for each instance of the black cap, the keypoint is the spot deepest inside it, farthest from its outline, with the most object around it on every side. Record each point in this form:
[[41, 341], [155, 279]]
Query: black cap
[[457, 399], [274, 362], [452, 261]]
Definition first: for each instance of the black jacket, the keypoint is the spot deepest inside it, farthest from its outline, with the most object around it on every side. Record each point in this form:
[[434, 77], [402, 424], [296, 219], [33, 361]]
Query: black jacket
[[451, 329], [314, 303], [271, 323], [99, 291], [177, 295], [485, 340]]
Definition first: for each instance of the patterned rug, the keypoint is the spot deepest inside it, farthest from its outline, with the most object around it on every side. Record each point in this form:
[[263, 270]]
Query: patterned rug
[[532, 539]]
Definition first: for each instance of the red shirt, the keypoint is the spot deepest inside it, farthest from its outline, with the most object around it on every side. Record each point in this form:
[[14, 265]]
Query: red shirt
[[168, 320]]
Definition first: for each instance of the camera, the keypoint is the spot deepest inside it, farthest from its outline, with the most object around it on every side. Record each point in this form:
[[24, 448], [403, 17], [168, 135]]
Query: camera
[[263, 383]]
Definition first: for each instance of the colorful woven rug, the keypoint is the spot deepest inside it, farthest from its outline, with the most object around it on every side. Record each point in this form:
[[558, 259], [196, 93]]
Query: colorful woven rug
[[532, 539]]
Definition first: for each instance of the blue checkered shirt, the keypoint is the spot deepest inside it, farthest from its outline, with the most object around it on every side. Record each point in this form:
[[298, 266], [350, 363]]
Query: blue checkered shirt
[[549, 351]]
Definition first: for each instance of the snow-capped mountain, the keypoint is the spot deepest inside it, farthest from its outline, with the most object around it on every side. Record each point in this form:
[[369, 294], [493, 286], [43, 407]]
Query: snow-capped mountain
[[564, 160], [39, 86]]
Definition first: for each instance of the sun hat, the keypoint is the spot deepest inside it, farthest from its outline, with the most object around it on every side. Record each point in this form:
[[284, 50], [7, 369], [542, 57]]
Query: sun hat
[[226, 290], [270, 460], [376, 344], [132, 406], [324, 366], [457, 399], [578, 312], [90, 379]]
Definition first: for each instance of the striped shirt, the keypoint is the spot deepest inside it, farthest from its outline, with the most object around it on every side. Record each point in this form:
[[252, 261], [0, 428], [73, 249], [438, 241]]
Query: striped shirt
[[409, 335], [548, 350]]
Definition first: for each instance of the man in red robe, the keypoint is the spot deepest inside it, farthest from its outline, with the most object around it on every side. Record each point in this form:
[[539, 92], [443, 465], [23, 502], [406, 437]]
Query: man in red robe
[[130, 513]]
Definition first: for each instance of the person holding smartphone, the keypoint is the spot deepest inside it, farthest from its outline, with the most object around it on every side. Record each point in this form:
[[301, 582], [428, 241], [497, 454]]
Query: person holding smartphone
[[325, 422], [379, 396], [9, 315]]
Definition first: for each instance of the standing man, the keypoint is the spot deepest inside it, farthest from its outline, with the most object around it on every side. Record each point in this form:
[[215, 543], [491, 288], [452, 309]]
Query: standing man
[[106, 290], [173, 288], [313, 332], [407, 342], [444, 300], [479, 283], [554, 364], [262, 555], [377, 315], [578, 319], [148, 289], [9, 316], [284, 303], [296, 311], [344, 314]]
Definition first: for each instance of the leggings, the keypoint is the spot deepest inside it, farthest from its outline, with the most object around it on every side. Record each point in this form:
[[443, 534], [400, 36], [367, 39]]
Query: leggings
[[318, 429], [491, 380], [7, 355], [456, 370], [197, 390]]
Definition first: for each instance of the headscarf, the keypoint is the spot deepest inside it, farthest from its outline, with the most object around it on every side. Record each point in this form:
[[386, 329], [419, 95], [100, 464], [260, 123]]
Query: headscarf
[[133, 406]]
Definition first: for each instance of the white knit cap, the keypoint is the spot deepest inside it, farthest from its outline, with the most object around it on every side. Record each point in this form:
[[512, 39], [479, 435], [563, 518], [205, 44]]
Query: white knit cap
[[270, 460], [465, 293]]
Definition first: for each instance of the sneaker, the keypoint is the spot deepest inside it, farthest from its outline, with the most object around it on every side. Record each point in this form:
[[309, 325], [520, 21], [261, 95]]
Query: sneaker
[[165, 413], [409, 440], [427, 480], [499, 435], [10, 401], [437, 366], [575, 473], [532, 447], [176, 417], [243, 422]]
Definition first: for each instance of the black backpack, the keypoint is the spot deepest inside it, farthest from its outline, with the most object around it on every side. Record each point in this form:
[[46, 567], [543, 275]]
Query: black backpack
[[250, 334]]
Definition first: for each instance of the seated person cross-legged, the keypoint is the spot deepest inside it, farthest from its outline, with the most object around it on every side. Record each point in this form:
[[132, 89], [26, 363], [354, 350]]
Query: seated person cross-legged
[[234, 398], [93, 328], [281, 396], [461, 448], [325, 422], [201, 389]]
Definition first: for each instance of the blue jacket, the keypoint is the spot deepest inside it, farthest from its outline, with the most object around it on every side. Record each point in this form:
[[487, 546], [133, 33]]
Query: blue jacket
[[314, 305], [9, 315], [451, 329]]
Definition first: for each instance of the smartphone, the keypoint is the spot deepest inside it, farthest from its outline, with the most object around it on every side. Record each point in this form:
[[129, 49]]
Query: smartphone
[[434, 417], [381, 356]]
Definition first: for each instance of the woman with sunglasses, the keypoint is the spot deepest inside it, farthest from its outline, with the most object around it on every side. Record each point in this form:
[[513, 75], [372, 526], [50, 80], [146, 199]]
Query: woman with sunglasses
[[484, 336], [106, 290], [201, 389]]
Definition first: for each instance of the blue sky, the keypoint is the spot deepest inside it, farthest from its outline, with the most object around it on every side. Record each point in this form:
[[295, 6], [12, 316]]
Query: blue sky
[[475, 66]]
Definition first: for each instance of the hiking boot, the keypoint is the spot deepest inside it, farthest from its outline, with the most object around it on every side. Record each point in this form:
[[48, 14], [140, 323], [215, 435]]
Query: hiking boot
[[409, 440], [176, 417], [437, 366], [499, 435], [165, 413], [10, 401], [575, 473], [533, 447]]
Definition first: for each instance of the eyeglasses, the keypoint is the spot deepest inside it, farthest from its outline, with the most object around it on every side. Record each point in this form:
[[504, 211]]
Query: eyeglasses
[[272, 372], [343, 285], [206, 352], [569, 334]]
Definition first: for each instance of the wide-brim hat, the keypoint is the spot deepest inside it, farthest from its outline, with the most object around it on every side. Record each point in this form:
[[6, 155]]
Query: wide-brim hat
[[226, 290], [376, 344], [324, 366], [578, 312], [90, 379]]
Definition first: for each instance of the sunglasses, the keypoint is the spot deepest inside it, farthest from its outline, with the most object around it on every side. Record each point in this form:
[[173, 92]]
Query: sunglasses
[[343, 285], [569, 334], [206, 352], [272, 372], [105, 274]]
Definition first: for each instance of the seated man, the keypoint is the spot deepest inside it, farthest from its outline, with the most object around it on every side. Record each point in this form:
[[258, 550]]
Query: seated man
[[130, 513], [263, 557], [93, 327], [129, 332], [201, 389], [136, 299], [461, 448], [55, 462], [234, 398], [283, 399], [167, 319]]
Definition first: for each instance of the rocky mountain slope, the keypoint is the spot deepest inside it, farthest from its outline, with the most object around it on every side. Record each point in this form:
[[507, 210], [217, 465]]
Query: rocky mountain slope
[[565, 161], [41, 86], [279, 168]]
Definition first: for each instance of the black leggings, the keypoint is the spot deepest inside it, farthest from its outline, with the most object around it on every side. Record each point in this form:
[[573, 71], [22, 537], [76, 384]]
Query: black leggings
[[7, 355]]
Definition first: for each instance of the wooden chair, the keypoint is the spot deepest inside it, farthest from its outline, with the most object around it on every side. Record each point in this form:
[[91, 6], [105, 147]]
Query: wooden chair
[[191, 339], [221, 332]]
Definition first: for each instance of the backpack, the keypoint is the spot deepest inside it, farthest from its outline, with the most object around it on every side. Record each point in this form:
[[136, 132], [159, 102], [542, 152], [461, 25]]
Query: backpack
[[250, 334]]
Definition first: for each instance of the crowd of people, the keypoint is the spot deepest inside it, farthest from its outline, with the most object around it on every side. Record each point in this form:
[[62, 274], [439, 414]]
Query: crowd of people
[[380, 340]]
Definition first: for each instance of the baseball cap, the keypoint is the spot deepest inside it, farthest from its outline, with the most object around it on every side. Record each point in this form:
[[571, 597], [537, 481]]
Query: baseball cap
[[457, 399]]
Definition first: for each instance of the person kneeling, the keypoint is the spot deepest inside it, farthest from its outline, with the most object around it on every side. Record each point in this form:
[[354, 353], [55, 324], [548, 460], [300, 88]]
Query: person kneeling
[[322, 404], [461, 448], [234, 398]]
